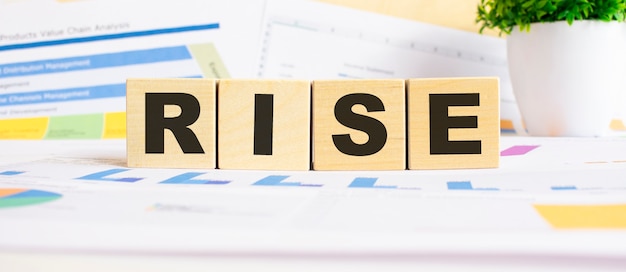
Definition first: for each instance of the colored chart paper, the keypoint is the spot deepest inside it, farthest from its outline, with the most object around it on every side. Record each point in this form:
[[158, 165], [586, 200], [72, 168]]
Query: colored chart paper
[[584, 216], [518, 150], [24, 197], [62, 81]]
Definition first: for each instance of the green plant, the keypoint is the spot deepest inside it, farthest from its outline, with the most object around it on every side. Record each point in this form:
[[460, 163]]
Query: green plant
[[506, 14]]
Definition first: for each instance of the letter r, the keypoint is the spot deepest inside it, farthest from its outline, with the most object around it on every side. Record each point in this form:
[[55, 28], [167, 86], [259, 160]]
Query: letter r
[[156, 122]]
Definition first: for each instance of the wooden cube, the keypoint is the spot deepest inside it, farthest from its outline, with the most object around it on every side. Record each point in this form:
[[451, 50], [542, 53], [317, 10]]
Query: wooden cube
[[171, 123], [359, 125], [264, 124], [453, 123]]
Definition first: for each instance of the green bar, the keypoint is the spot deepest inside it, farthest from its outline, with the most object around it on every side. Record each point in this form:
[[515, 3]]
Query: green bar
[[209, 60], [88, 126], [23, 201]]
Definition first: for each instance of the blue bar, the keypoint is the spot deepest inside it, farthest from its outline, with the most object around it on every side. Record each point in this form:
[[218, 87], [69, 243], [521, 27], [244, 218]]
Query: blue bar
[[271, 180], [467, 185], [11, 173], [368, 183], [111, 36], [486, 189], [94, 61], [277, 181], [187, 178], [459, 185], [102, 176], [563, 188], [64, 95], [33, 193]]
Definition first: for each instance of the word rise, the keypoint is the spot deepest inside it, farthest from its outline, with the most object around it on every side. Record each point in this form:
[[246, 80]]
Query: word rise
[[386, 124]]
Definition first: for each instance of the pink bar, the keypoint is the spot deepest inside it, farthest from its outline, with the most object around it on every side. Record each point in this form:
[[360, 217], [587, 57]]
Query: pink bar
[[517, 150]]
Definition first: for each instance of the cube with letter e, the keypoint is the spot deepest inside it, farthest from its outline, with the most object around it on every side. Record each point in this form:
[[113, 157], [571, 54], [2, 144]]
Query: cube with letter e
[[453, 123]]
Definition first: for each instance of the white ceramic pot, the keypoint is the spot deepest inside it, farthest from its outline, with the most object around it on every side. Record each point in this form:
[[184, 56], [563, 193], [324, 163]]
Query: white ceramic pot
[[566, 77]]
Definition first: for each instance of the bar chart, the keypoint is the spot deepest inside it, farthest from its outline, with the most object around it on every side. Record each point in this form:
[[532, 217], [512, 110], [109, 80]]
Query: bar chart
[[10, 197]]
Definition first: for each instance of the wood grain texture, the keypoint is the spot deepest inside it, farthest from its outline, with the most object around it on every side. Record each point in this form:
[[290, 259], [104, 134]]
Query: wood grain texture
[[204, 128], [488, 123], [326, 94], [291, 133]]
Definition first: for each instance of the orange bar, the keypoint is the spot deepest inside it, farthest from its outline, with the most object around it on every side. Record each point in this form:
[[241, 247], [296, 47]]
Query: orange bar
[[506, 124], [10, 191]]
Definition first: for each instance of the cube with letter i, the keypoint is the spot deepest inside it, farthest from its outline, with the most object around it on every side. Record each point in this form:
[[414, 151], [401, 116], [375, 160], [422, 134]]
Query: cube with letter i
[[264, 124]]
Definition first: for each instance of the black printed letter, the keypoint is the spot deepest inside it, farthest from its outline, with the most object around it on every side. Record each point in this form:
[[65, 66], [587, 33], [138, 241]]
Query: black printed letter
[[263, 123], [440, 122], [156, 122], [375, 129]]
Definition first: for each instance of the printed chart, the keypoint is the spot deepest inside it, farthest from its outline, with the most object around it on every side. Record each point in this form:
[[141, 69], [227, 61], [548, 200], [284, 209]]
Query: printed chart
[[65, 108], [298, 43], [67, 80], [24, 197], [542, 187], [315, 41]]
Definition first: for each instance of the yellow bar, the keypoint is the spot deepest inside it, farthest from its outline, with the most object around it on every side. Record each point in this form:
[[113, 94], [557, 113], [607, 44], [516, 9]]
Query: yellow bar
[[25, 129], [584, 216], [617, 124], [114, 125]]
